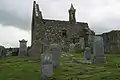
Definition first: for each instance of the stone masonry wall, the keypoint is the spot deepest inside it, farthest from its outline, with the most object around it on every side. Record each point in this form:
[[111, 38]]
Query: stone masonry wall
[[112, 41], [54, 30]]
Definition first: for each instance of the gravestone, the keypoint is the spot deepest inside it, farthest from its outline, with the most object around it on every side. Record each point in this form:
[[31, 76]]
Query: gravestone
[[47, 66], [71, 47], [23, 48], [98, 50], [64, 45], [78, 47], [87, 53], [3, 51], [55, 50], [45, 48]]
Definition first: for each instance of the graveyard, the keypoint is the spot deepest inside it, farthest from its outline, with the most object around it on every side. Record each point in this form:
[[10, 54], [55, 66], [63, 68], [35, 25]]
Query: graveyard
[[15, 68], [62, 50]]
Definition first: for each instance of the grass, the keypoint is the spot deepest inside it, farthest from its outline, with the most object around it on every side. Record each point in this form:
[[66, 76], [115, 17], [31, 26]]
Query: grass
[[15, 68]]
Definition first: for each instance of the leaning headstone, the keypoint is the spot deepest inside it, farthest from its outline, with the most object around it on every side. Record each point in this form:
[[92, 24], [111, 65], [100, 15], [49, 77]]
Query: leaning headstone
[[23, 48], [3, 51], [87, 53], [55, 50], [47, 66], [98, 50]]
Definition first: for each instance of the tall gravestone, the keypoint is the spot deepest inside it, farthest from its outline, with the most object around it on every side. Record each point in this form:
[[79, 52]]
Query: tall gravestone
[[47, 66], [98, 50], [55, 50], [23, 48]]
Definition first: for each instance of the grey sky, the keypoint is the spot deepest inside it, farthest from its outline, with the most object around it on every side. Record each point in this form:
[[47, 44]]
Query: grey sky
[[101, 15]]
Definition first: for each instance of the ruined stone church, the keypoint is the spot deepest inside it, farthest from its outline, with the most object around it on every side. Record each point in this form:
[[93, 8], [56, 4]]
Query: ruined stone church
[[45, 31]]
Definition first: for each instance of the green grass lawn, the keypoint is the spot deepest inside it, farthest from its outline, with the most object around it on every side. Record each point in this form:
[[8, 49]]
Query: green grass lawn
[[14, 68]]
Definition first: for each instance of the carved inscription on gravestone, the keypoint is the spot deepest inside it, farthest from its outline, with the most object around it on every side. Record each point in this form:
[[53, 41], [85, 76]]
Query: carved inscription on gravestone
[[47, 66]]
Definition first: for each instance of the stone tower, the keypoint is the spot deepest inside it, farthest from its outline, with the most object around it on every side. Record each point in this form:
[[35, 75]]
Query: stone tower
[[36, 22], [23, 48], [72, 11], [33, 23]]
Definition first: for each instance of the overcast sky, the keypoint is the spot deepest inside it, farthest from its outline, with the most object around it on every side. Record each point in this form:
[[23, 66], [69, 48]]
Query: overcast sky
[[15, 16]]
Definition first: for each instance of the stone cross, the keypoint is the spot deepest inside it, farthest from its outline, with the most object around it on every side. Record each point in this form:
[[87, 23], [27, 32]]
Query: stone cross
[[98, 50], [23, 48], [87, 53], [55, 50], [47, 66]]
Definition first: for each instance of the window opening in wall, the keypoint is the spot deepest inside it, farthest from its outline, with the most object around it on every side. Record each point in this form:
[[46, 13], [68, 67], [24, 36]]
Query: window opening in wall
[[74, 40], [64, 33]]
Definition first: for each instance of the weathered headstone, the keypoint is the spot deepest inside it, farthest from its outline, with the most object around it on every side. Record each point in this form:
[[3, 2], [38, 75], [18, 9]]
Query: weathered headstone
[[64, 45], [71, 47], [3, 51], [87, 53], [23, 48], [45, 48], [98, 50], [55, 50], [47, 66], [78, 47]]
